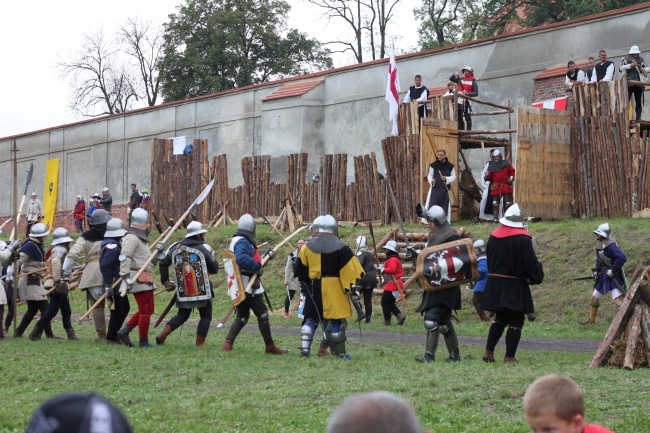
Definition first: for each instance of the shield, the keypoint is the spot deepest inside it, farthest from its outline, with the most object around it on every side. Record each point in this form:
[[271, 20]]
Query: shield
[[446, 265], [235, 285], [192, 280]]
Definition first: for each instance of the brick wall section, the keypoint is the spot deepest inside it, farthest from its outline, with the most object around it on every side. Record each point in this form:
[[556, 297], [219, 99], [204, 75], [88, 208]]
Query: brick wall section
[[550, 88], [61, 219]]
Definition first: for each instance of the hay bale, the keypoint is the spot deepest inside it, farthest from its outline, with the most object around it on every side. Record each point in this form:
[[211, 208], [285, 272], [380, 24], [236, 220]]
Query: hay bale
[[617, 357]]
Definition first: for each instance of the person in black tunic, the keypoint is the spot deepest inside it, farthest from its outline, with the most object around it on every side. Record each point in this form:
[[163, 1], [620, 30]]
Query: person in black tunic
[[419, 93], [109, 266], [441, 175], [513, 266]]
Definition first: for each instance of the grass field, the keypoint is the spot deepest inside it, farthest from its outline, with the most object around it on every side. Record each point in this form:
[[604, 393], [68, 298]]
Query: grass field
[[181, 388]]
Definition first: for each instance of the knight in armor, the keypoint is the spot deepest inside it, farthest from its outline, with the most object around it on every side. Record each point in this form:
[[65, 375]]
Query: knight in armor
[[290, 281], [436, 307], [441, 175], [608, 272], [391, 273], [7, 254], [501, 175], [30, 287], [513, 266], [88, 245], [193, 261], [479, 286], [328, 268], [248, 259], [419, 93], [135, 249], [635, 69], [369, 280], [59, 297], [109, 266]]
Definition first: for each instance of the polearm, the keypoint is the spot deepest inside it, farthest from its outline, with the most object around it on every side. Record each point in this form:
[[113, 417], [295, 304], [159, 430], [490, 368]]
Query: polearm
[[165, 311], [198, 200], [6, 222], [259, 212], [249, 286]]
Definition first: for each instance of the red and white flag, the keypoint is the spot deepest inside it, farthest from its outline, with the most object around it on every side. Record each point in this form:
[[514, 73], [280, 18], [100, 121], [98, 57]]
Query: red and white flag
[[553, 104], [392, 92]]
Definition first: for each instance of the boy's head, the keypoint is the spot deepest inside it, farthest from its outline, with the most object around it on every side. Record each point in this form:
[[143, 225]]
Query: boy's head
[[554, 404]]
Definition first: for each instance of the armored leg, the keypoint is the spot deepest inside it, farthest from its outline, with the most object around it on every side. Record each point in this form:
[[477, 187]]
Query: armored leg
[[495, 207], [431, 324], [307, 333], [451, 341], [236, 327], [338, 338], [507, 201]]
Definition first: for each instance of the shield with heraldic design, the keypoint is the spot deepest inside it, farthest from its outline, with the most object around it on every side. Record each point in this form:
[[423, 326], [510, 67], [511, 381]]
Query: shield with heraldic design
[[192, 280], [236, 289], [446, 265]]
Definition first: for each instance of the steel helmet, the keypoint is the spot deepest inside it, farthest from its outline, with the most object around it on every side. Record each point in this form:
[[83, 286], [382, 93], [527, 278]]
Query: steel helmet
[[436, 215], [38, 231], [96, 195], [115, 228], [634, 49], [315, 226], [479, 246], [34, 194], [247, 223], [100, 216], [328, 224], [391, 245], [105, 189], [513, 217], [496, 155], [603, 230], [467, 68], [60, 236], [361, 242], [3, 245], [139, 218], [194, 228]]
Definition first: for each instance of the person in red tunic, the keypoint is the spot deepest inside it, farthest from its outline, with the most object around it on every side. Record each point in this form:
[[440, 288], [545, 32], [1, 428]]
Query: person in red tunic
[[501, 175], [79, 214]]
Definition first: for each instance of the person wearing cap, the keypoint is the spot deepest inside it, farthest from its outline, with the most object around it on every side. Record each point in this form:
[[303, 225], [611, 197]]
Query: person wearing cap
[[369, 280], [31, 265], [34, 212], [109, 266], [467, 86], [392, 273], [192, 288], [59, 296], [635, 69], [513, 266], [88, 245], [146, 199], [501, 175], [79, 214], [418, 92], [290, 281], [604, 70], [608, 272], [78, 413], [478, 287], [106, 200]]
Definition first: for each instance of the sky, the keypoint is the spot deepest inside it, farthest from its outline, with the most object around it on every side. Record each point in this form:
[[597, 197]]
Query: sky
[[36, 35]]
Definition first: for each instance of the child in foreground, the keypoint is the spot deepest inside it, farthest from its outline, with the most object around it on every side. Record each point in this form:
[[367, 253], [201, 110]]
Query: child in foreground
[[554, 404]]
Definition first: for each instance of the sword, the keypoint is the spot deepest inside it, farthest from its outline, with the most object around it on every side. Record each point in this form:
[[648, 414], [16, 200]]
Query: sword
[[584, 278], [166, 310]]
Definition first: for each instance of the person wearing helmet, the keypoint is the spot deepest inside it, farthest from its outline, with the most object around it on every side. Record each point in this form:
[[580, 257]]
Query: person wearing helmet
[[79, 214], [34, 212], [441, 175], [479, 286], [436, 307], [608, 272], [109, 266], [513, 266], [134, 202], [88, 245], [501, 175], [369, 280], [604, 70], [635, 69], [146, 199], [7, 254], [392, 275], [106, 201], [135, 251], [31, 265], [93, 205], [290, 281], [328, 268], [59, 296], [467, 85], [193, 287], [248, 259]]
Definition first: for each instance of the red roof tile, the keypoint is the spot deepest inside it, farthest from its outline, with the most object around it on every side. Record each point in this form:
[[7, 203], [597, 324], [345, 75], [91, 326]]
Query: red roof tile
[[289, 90], [557, 71], [437, 91]]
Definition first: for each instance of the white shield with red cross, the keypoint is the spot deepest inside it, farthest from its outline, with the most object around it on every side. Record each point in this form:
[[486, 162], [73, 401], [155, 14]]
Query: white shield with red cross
[[446, 265]]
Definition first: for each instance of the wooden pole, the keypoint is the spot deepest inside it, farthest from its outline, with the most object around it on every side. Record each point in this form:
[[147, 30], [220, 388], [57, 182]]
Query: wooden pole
[[632, 336]]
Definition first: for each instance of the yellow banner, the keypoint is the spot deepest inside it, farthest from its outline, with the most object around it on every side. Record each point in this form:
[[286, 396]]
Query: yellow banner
[[50, 191]]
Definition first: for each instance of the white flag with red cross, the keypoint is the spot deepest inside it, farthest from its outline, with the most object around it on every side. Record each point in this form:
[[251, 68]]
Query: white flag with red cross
[[392, 92]]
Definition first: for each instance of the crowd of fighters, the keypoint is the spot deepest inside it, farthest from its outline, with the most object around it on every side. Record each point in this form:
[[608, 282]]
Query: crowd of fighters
[[118, 262]]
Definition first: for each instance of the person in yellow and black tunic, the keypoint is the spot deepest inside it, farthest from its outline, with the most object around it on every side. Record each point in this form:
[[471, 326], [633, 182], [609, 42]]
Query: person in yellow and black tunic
[[329, 268]]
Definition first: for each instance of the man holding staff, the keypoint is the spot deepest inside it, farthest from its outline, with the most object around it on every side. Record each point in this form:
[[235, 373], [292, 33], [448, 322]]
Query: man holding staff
[[441, 174]]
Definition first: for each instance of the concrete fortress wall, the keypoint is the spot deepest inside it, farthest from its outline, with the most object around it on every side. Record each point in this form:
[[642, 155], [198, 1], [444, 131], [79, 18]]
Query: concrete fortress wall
[[345, 113]]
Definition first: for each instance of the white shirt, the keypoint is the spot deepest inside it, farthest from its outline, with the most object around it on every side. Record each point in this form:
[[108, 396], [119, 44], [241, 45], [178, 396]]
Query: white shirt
[[581, 78], [609, 74], [423, 97]]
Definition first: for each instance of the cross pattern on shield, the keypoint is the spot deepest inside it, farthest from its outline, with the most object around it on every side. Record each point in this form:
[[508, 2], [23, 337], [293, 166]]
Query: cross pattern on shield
[[446, 265], [191, 275]]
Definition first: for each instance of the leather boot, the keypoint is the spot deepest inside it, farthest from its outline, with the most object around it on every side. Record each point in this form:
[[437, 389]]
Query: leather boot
[[273, 349], [509, 359], [451, 341], [101, 335], [488, 356], [36, 333], [593, 312], [482, 316], [430, 348], [200, 340], [401, 318], [71, 334], [160, 339], [48, 332], [386, 323], [123, 334], [322, 350], [144, 344], [227, 345]]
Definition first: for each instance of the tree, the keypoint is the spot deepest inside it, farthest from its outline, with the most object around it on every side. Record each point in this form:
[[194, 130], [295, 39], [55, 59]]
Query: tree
[[102, 84], [214, 45], [443, 21]]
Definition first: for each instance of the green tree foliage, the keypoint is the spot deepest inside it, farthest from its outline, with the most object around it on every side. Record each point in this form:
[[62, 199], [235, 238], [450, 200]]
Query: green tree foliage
[[214, 45]]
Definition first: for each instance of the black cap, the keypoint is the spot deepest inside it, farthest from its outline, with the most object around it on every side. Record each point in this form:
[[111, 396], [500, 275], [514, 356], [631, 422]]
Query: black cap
[[78, 413]]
